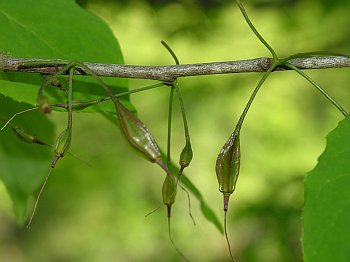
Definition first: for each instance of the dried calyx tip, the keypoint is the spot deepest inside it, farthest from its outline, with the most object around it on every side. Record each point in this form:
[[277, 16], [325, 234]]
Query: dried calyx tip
[[168, 207], [226, 201], [54, 161]]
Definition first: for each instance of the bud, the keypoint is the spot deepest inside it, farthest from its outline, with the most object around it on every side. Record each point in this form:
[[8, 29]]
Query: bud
[[186, 155]]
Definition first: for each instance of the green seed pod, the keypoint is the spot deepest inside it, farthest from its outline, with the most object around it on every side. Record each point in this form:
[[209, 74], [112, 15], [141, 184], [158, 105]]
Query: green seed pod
[[227, 167], [137, 134], [62, 145], [227, 171], [186, 155], [169, 192], [24, 136], [169, 195]]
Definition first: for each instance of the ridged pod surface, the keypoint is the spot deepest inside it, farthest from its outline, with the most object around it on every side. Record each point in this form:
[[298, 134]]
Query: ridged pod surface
[[227, 167], [137, 134]]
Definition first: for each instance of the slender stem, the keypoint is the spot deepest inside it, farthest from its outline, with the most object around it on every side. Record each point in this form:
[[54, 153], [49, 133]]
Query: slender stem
[[70, 100], [153, 211], [16, 114], [226, 235], [164, 167], [275, 62], [78, 158], [319, 88], [38, 197], [175, 85], [84, 104], [170, 112], [140, 89], [252, 27], [55, 83], [60, 152], [189, 203], [93, 74], [172, 53], [187, 138], [183, 111], [251, 99], [54, 76], [173, 243]]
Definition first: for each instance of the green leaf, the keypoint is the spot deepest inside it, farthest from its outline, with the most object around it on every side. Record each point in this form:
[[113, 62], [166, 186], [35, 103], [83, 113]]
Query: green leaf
[[326, 213], [23, 166], [56, 29]]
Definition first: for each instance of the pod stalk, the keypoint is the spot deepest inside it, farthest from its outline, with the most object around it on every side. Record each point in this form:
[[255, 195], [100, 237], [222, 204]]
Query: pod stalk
[[168, 208], [226, 201], [171, 239], [39, 195], [226, 235]]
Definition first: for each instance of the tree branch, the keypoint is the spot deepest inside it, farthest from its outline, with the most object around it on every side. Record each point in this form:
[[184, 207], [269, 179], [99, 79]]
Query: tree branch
[[170, 72]]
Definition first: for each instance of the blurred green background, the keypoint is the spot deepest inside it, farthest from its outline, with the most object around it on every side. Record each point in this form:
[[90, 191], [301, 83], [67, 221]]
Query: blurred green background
[[98, 214]]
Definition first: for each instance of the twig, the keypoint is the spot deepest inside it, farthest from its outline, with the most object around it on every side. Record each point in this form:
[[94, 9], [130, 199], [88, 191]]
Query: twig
[[170, 72]]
